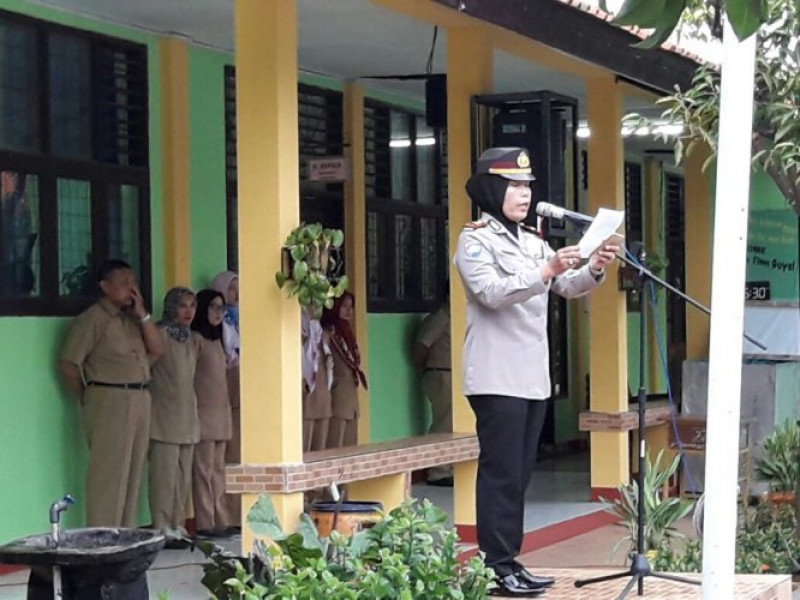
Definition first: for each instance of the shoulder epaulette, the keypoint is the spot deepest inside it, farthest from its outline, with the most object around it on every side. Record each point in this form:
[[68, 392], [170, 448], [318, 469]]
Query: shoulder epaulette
[[530, 229], [475, 225]]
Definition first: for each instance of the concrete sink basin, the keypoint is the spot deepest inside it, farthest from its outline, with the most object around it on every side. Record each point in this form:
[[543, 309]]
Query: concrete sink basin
[[95, 562]]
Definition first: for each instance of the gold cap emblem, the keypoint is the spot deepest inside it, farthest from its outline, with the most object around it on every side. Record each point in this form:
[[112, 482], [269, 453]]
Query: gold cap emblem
[[523, 162]]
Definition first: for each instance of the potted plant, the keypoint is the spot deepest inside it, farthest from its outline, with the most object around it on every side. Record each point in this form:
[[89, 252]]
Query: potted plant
[[661, 512], [408, 554], [778, 463], [310, 267]]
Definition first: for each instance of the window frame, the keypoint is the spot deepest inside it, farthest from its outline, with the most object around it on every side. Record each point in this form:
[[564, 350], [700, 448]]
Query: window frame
[[390, 208], [49, 168]]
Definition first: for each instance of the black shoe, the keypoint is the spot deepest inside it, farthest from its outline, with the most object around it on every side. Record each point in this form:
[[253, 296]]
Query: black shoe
[[177, 544], [443, 482], [534, 581], [210, 533], [510, 585]]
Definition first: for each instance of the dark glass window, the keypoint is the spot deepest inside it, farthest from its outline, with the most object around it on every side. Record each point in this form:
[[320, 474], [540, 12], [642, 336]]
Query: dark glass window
[[19, 85], [73, 161], [406, 211]]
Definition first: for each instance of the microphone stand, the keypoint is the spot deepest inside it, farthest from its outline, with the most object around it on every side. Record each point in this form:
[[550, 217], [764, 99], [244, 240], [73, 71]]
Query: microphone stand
[[640, 566]]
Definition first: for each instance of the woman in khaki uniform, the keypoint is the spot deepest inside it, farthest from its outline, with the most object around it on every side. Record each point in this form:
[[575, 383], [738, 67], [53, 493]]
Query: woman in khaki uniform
[[317, 380], [227, 284], [211, 510], [174, 426], [347, 373]]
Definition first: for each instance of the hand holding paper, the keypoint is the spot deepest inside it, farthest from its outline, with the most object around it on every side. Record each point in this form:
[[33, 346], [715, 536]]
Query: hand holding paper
[[603, 227]]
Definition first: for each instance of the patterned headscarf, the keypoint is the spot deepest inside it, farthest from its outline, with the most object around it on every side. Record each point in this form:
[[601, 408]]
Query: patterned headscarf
[[221, 283], [343, 339], [169, 320]]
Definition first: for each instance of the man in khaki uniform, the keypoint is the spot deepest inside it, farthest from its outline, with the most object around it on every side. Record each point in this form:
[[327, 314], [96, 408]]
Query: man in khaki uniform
[[105, 363], [431, 354]]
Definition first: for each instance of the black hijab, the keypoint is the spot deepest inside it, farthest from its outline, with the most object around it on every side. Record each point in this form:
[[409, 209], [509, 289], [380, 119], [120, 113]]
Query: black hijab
[[201, 323], [488, 192]]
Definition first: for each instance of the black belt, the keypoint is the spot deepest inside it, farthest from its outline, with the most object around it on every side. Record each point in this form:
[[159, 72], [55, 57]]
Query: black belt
[[437, 369], [120, 386]]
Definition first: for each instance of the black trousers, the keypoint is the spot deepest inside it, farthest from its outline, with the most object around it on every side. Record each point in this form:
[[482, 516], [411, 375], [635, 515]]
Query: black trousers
[[508, 434]]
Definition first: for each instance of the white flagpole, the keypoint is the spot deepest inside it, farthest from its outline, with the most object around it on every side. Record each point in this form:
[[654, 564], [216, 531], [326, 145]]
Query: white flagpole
[[727, 321]]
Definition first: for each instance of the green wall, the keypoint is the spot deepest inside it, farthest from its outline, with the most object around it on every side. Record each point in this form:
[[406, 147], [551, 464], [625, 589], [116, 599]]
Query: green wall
[[397, 405], [207, 164]]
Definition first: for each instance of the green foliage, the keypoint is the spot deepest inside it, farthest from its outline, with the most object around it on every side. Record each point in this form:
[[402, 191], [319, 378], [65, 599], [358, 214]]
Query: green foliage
[[663, 16], [776, 119], [313, 273], [407, 555], [765, 543], [661, 513], [778, 464]]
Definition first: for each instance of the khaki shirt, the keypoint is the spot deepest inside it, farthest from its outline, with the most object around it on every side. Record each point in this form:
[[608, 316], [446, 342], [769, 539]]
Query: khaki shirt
[[435, 335], [505, 348], [211, 388], [173, 418], [106, 343]]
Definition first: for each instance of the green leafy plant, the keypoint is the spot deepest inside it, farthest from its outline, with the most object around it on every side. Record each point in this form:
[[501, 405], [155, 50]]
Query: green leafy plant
[[661, 512], [765, 543], [79, 282], [776, 119], [408, 554], [778, 464], [663, 16], [311, 267]]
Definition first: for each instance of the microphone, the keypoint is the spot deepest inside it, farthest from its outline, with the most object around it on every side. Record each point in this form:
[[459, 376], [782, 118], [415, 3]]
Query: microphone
[[545, 209]]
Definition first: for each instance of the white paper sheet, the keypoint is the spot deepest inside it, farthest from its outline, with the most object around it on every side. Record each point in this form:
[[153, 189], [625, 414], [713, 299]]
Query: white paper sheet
[[605, 225]]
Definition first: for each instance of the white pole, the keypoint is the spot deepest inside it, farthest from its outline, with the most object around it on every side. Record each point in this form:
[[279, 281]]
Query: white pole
[[727, 320]]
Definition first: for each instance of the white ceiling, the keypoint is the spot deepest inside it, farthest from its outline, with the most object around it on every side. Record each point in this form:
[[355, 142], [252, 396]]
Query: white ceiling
[[342, 39]]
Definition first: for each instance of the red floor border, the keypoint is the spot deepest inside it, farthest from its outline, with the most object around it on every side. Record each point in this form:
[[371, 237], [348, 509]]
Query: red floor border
[[546, 536]]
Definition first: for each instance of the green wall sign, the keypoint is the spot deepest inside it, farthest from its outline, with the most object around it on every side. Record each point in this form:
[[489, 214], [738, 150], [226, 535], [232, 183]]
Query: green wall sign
[[772, 256]]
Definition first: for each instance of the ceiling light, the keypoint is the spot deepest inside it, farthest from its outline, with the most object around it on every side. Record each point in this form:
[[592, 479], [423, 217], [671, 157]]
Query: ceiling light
[[425, 141], [583, 132], [399, 143]]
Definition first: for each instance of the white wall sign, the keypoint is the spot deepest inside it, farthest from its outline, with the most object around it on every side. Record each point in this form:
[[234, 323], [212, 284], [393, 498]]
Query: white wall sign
[[328, 168]]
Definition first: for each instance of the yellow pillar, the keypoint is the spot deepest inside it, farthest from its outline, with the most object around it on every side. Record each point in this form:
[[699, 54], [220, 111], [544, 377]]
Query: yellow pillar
[[608, 356], [469, 72], [174, 76], [654, 244], [355, 217], [657, 436], [390, 490], [699, 211], [268, 156]]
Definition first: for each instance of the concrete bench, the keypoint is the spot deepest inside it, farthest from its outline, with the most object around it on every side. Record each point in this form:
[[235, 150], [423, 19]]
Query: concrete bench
[[353, 464]]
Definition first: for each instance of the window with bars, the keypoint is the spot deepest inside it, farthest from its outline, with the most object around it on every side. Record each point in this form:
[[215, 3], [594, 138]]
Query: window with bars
[[73, 162], [675, 238], [319, 134], [406, 187]]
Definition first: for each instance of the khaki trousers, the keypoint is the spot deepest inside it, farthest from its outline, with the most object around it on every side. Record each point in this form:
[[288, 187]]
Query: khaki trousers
[[342, 432], [170, 480], [437, 388], [315, 434], [117, 427], [211, 507]]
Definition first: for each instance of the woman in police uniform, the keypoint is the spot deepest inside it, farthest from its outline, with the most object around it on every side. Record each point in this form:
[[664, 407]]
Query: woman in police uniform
[[507, 271]]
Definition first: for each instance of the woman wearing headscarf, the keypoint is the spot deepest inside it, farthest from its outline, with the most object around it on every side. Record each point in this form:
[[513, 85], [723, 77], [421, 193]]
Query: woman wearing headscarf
[[507, 271], [174, 426], [227, 284], [317, 368], [347, 373], [211, 507]]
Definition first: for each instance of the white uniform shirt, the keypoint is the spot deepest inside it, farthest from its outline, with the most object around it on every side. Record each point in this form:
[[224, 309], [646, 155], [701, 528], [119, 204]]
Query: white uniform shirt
[[505, 348]]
